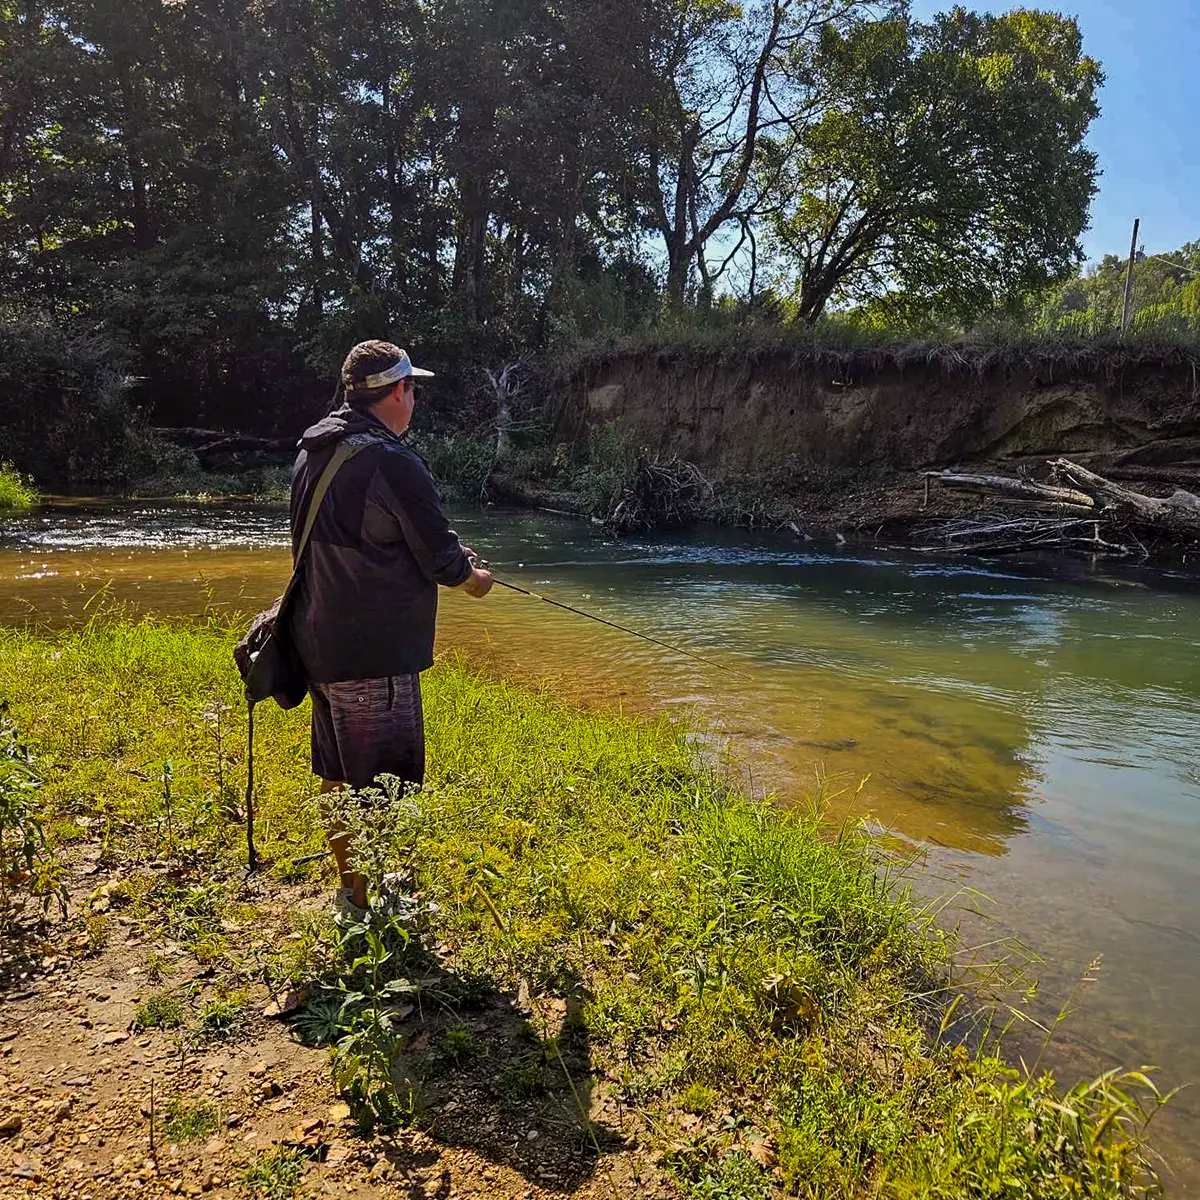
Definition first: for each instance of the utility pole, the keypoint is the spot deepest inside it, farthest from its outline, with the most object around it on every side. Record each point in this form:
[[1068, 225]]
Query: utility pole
[[1127, 311]]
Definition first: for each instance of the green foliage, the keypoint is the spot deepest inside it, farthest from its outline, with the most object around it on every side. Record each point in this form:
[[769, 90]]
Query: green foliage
[[163, 1010], [713, 946], [1166, 297], [16, 490], [189, 1123], [459, 1044], [64, 404], [28, 865], [222, 1017], [273, 1176], [235, 197], [458, 461], [981, 201], [608, 468]]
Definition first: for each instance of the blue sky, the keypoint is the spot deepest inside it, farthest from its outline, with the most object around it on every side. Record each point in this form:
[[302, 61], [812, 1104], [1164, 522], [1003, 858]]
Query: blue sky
[[1148, 132]]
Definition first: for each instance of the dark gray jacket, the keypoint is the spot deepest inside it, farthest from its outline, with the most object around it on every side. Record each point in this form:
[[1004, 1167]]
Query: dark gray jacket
[[366, 601]]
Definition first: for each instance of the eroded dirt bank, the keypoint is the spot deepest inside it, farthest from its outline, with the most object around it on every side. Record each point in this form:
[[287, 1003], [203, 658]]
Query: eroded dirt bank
[[845, 438], [870, 409]]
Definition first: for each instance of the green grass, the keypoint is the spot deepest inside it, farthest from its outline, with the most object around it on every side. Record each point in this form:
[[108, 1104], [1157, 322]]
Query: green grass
[[858, 342], [189, 1123], [273, 1176], [16, 490], [755, 988], [160, 1011]]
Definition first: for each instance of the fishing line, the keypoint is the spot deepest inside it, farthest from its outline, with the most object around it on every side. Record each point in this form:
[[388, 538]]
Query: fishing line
[[645, 637]]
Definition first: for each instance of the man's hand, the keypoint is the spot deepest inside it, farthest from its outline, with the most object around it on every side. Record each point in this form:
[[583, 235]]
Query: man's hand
[[478, 583]]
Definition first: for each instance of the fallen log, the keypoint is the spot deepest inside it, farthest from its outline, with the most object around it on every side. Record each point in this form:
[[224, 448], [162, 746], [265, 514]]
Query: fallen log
[[1179, 512], [1023, 488], [219, 440]]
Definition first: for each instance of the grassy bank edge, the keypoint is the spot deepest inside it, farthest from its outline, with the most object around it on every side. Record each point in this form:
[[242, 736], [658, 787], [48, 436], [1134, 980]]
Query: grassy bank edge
[[16, 490], [765, 1000]]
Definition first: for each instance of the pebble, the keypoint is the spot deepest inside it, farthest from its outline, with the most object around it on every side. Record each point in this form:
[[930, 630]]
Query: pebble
[[10, 1124]]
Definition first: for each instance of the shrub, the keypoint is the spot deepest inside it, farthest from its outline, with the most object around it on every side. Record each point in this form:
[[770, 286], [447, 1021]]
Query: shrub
[[16, 490], [65, 406]]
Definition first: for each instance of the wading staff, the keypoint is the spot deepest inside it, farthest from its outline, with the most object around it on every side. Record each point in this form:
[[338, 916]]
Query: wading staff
[[645, 637]]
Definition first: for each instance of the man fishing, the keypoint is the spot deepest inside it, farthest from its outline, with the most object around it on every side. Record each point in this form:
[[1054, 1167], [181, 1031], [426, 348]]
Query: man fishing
[[363, 619]]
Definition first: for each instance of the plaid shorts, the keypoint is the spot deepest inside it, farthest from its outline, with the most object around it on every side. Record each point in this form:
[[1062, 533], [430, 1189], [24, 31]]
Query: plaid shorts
[[368, 727]]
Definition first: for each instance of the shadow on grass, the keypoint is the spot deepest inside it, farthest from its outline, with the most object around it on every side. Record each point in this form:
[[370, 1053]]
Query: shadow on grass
[[504, 1074]]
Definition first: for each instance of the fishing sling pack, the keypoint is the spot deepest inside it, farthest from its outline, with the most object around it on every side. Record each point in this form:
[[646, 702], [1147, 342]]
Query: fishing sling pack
[[265, 657]]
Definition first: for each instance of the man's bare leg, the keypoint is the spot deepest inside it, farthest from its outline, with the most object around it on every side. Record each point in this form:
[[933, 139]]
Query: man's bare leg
[[339, 843]]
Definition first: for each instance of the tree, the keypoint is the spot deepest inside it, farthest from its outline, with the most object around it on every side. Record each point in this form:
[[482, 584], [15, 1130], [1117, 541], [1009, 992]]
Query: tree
[[716, 87], [946, 167], [1166, 294]]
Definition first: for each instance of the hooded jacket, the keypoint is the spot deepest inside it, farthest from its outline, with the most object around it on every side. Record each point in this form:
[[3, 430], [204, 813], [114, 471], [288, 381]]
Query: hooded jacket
[[366, 600]]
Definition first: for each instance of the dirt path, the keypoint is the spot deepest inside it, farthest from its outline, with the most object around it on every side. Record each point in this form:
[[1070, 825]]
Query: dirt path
[[252, 1111]]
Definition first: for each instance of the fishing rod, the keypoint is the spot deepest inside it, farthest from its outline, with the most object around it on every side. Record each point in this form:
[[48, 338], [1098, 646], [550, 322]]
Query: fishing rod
[[645, 637]]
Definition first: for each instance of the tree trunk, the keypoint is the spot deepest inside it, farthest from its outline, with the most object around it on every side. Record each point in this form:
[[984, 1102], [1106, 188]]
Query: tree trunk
[[143, 234], [317, 252]]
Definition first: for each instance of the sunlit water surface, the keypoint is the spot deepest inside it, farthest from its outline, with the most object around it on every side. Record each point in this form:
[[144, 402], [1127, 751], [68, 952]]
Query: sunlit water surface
[[1038, 736]]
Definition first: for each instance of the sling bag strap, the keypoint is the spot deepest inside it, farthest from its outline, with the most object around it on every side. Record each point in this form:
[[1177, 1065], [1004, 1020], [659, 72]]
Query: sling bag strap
[[342, 454]]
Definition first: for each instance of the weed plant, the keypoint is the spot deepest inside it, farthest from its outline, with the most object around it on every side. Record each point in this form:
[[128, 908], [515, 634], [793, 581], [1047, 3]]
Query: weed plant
[[273, 1176], [189, 1123], [761, 990], [27, 865], [16, 490]]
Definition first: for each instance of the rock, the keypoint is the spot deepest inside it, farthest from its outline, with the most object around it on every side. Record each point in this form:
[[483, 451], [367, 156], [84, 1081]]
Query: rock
[[23, 1169], [210, 1181], [532, 1135], [114, 1039], [11, 1124], [233, 1120], [381, 1170], [258, 1069], [63, 1111], [285, 1004]]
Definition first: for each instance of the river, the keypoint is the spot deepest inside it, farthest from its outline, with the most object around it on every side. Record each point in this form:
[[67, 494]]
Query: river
[[1032, 730]]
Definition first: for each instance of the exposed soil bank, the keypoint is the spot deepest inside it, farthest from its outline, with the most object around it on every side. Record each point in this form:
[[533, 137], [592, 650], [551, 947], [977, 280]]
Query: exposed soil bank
[[844, 437]]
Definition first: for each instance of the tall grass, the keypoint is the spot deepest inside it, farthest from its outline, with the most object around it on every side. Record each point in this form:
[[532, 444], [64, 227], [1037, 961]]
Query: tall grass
[[16, 490], [748, 987], [847, 341]]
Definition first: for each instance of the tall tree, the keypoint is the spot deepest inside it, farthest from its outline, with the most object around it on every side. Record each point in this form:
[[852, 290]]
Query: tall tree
[[719, 86], [947, 165]]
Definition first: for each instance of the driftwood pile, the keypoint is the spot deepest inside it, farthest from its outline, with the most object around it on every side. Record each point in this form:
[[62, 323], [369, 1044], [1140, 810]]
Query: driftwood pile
[[1077, 509], [658, 493]]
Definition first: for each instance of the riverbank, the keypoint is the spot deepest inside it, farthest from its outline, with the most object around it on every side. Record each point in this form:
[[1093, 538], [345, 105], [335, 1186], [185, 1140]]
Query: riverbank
[[634, 977]]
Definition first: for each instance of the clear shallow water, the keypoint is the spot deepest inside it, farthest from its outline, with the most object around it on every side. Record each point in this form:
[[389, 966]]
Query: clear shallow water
[[1039, 736]]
